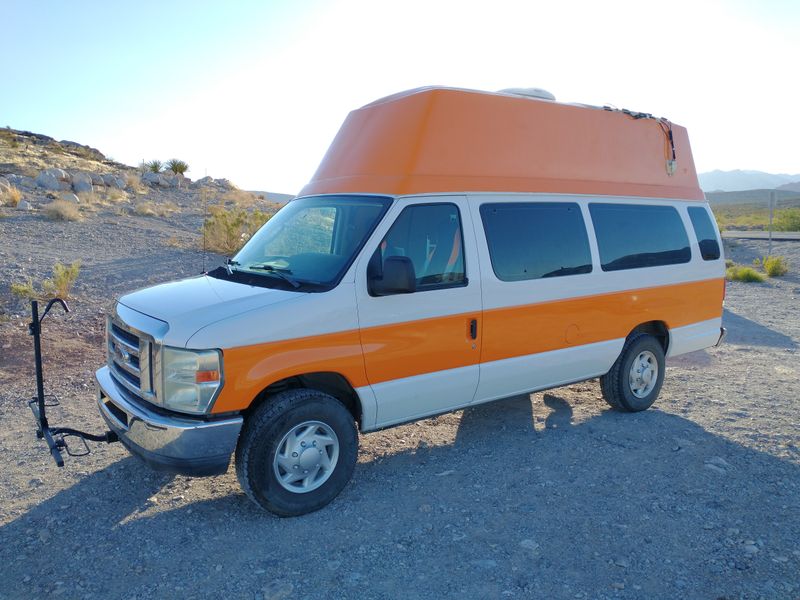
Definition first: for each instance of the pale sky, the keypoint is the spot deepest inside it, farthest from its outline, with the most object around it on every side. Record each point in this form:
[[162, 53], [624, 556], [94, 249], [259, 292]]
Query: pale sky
[[255, 91]]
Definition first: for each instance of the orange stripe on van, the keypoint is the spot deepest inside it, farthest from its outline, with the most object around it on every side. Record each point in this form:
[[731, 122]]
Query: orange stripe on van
[[517, 331], [428, 345]]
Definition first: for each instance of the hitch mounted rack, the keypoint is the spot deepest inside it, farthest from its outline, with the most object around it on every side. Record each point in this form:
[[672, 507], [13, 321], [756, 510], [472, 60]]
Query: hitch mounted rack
[[55, 437]]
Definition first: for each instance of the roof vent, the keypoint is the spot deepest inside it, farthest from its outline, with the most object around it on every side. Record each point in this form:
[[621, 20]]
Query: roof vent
[[530, 93]]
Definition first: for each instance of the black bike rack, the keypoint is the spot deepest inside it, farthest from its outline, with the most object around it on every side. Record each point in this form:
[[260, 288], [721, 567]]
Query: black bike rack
[[56, 437]]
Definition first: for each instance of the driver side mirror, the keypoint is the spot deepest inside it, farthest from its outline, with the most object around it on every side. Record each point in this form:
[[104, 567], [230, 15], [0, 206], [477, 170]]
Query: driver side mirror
[[398, 277]]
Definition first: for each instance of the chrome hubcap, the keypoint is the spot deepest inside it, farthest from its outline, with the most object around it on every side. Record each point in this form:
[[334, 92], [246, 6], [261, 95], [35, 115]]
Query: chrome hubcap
[[306, 457], [644, 374]]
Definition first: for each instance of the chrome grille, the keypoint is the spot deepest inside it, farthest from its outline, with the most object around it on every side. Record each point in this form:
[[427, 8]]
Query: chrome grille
[[130, 359]]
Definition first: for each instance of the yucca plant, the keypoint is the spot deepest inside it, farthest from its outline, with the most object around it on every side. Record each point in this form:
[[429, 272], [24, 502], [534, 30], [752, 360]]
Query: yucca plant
[[155, 166], [177, 166]]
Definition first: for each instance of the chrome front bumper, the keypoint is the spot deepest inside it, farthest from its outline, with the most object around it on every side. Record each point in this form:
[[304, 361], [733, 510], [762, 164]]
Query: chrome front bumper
[[174, 443]]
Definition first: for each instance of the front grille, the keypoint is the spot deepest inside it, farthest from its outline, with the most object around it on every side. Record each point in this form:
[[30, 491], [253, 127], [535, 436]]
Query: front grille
[[130, 359]]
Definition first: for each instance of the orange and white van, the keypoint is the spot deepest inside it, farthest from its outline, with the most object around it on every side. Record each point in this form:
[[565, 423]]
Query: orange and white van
[[453, 248]]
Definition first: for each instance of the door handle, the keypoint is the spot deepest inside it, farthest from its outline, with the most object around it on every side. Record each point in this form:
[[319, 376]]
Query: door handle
[[473, 329]]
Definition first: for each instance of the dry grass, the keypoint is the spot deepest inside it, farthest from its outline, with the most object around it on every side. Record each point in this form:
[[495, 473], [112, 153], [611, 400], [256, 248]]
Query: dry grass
[[59, 286], [151, 209], [239, 198], [64, 276], [11, 197], [175, 242], [134, 182], [61, 210], [24, 291]]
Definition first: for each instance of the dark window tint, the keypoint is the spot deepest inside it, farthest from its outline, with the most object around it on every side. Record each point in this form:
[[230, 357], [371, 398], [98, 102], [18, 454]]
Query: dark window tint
[[535, 240], [430, 235], [705, 232], [631, 236]]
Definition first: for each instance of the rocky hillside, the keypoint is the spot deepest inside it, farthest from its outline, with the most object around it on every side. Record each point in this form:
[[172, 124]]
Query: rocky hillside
[[36, 169]]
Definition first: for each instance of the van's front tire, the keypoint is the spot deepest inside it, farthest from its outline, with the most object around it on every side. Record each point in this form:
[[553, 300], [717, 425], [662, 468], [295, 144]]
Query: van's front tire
[[635, 379], [296, 452]]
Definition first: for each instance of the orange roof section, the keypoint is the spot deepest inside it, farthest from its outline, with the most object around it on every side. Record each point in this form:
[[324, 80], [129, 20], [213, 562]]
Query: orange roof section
[[450, 140]]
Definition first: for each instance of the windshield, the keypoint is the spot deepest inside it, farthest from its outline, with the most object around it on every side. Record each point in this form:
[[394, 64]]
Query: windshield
[[311, 241]]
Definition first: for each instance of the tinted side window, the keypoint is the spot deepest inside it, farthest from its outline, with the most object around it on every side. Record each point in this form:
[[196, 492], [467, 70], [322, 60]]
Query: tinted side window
[[536, 240], [430, 235], [706, 235], [631, 236]]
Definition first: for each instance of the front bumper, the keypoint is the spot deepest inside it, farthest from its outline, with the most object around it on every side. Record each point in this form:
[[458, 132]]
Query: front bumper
[[173, 443]]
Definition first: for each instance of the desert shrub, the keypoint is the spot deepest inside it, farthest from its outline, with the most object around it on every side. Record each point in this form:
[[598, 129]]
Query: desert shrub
[[133, 181], [746, 274], [151, 209], [177, 166], [63, 279], [116, 195], [61, 210], [225, 230], [156, 166], [773, 266], [25, 291], [787, 219], [11, 196]]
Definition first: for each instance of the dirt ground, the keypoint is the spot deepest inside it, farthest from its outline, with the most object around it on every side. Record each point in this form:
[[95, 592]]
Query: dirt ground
[[551, 495]]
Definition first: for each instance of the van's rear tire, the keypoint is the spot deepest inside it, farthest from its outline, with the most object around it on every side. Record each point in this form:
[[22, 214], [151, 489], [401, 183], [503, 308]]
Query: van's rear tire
[[635, 379], [296, 452]]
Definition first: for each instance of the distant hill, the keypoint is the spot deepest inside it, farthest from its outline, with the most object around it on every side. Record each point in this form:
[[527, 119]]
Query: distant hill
[[782, 197], [273, 197], [739, 180], [792, 187]]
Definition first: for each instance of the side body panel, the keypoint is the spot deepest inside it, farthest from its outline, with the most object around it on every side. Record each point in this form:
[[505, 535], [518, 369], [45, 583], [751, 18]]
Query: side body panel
[[419, 355]]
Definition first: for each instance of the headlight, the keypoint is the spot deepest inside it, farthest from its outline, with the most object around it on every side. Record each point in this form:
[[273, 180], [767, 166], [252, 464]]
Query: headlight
[[190, 379]]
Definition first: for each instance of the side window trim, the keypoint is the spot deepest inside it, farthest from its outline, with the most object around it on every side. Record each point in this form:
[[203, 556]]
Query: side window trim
[[427, 287]]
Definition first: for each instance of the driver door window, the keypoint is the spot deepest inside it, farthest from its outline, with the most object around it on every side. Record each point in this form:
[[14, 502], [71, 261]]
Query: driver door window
[[431, 236]]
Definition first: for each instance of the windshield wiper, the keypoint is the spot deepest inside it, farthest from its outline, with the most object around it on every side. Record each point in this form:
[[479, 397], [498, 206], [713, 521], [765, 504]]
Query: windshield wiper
[[282, 273]]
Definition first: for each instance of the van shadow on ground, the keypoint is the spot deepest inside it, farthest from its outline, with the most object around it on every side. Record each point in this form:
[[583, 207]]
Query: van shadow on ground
[[742, 331], [646, 505]]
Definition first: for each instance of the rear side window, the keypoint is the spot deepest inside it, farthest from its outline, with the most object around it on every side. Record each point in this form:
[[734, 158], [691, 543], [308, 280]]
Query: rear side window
[[430, 235], [536, 240], [706, 235], [632, 236]]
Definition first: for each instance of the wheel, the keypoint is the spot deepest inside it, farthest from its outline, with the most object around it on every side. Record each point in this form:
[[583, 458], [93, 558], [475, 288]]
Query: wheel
[[296, 452], [635, 379]]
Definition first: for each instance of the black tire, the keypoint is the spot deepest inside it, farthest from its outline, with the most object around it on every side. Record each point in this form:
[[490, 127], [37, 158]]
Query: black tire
[[615, 384], [261, 435]]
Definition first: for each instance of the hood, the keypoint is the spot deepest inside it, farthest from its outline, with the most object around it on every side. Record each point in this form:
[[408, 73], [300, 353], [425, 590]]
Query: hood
[[190, 304]]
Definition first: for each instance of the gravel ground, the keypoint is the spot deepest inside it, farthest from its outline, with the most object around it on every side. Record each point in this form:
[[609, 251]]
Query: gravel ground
[[551, 495]]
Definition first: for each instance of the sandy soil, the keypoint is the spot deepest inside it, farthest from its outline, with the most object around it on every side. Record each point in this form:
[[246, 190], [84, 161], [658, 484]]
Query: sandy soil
[[551, 495]]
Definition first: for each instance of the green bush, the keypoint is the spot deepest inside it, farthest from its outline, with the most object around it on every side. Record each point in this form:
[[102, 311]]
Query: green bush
[[787, 219], [774, 266], [746, 274], [156, 166], [225, 230], [64, 277], [177, 166]]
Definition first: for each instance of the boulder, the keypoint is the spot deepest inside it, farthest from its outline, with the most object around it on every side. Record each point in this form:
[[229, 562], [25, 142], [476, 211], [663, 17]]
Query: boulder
[[24, 205], [97, 179], [203, 181], [21, 181], [82, 182], [115, 181], [69, 197], [53, 179], [5, 185]]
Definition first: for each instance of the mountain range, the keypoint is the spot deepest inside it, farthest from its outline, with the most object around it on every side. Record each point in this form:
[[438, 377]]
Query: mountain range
[[738, 180]]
